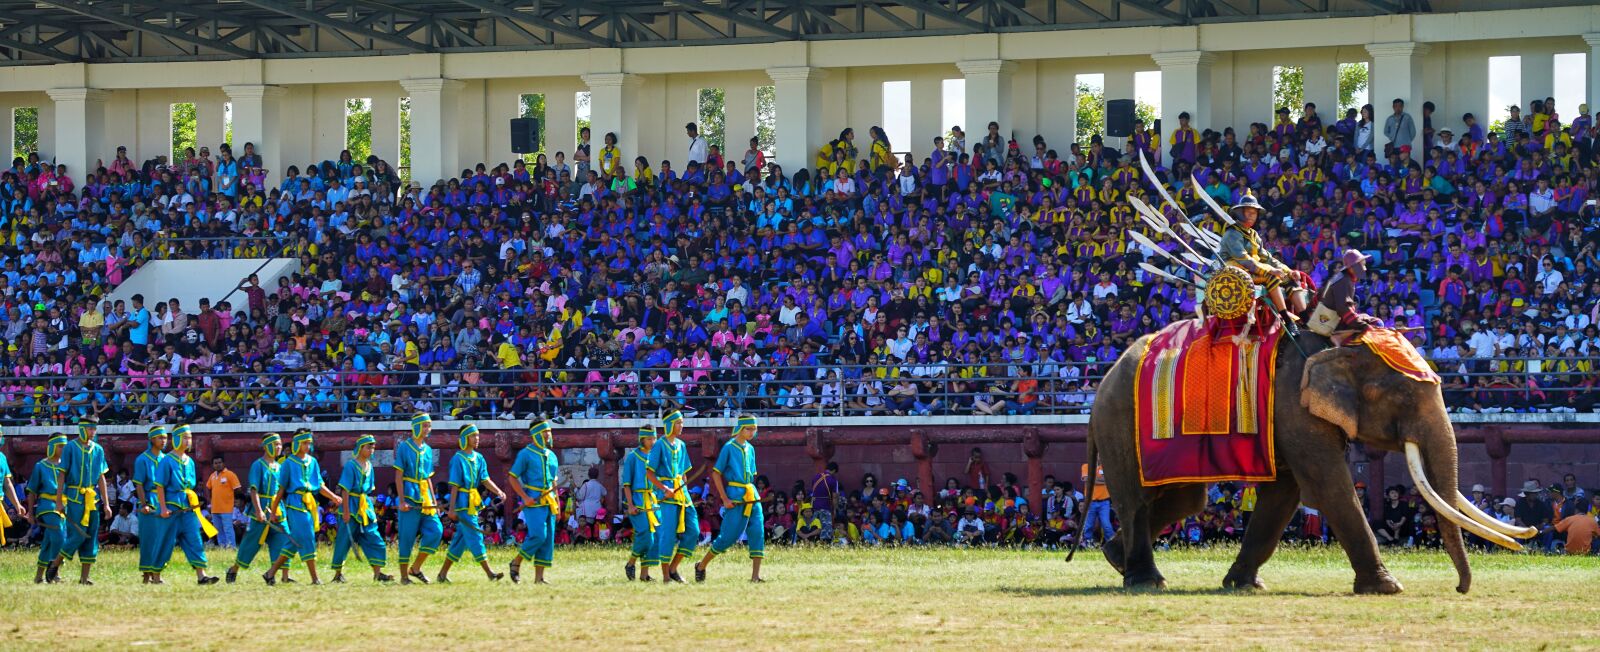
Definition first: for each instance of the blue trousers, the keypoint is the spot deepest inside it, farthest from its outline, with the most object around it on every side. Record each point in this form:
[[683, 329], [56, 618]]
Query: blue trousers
[[257, 535], [302, 535], [414, 525], [1099, 516], [540, 546], [54, 535], [735, 523], [182, 531], [468, 538], [152, 532], [644, 538], [82, 543], [224, 525], [668, 541], [353, 533]]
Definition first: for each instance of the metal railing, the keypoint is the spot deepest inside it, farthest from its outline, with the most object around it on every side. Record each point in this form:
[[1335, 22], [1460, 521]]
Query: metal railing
[[994, 388]]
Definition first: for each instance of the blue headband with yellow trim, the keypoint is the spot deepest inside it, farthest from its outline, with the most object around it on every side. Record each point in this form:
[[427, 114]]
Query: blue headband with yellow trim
[[417, 421], [671, 418], [366, 439], [302, 437], [156, 431], [466, 431], [541, 433], [745, 421], [55, 444], [268, 440], [181, 433], [84, 424], [647, 431]]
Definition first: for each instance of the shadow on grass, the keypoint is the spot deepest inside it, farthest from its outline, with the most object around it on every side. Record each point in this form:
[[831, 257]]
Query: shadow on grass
[[1064, 591]]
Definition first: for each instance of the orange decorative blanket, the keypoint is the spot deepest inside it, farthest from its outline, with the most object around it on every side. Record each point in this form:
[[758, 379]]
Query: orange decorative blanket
[[1203, 405], [1396, 351]]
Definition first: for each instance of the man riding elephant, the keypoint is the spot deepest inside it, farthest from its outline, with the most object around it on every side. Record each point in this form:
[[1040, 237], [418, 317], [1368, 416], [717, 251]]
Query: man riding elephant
[[1336, 316], [1241, 247]]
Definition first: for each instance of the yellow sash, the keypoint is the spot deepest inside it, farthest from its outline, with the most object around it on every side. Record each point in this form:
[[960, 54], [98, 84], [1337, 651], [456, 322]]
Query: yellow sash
[[308, 501], [206, 528], [90, 501], [681, 501], [425, 490], [360, 511], [474, 500], [649, 508], [547, 498], [750, 496], [5, 522]]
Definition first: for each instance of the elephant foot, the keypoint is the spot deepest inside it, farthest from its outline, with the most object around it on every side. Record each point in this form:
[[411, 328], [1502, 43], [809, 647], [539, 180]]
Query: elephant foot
[[1113, 552], [1241, 583], [1151, 581], [1383, 584]]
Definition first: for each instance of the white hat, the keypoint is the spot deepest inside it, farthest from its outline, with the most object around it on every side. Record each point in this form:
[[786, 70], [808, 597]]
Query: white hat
[[1477, 488], [1509, 502]]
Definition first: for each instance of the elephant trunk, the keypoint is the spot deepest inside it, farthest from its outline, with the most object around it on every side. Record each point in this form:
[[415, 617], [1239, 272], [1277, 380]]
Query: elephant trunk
[[1438, 463]]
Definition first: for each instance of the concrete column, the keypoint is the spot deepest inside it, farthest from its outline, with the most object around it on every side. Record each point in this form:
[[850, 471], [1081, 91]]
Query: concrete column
[[988, 96], [435, 146], [386, 129], [1397, 73], [738, 122], [1322, 89], [799, 96], [1538, 79], [256, 120], [613, 108], [1593, 85], [1185, 87], [79, 127]]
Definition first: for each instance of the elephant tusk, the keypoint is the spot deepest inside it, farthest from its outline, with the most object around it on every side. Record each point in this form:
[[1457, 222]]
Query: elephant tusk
[[1472, 511], [1420, 477]]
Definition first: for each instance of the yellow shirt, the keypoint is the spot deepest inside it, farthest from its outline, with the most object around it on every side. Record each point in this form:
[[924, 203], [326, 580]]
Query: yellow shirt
[[508, 355]]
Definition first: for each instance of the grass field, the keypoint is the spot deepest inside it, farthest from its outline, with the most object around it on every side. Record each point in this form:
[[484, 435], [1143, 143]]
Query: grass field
[[825, 599]]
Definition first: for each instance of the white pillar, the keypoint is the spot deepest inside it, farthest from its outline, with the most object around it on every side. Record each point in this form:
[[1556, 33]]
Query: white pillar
[[1185, 88], [79, 127], [613, 108], [1397, 74], [1593, 85], [738, 121], [256, 121], [435, 146], [1538, 79], [799, 97], [988, 96]]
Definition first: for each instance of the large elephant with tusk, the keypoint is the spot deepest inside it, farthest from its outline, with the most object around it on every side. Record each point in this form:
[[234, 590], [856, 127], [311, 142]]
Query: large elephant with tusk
[[1323, 400]]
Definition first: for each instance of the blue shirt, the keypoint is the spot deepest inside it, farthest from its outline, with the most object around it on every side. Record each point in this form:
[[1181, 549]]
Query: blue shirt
[[176, 476], [634, 477], [84, 464], [670, 461], [265, 481], [139, 334], [737, 463], [467, 471], [299, 476], [356, 481], [535, 468], [413, 462], [146, 474], [45, 485]]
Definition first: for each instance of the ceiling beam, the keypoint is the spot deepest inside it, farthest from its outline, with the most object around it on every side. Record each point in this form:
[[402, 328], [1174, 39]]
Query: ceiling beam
[[86, 9], [739, 17], [531, 18], [327, 22], [937, 11]]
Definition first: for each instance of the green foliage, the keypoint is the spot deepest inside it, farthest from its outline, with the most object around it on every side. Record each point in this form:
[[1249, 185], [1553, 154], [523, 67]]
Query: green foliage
[[358, 127], [1145, 112], [227, 123], [596, 140], [1289, 88], [767, 119], [405, 140], [184, 125], [531, 105], [1353, 80], [1499, 126], [712, 115], [24, 131], [1091, 112]]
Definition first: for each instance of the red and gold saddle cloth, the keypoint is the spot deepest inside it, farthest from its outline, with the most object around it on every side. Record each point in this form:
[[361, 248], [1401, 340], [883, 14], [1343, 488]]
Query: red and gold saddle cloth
[[1203, 404], [1396, 351]]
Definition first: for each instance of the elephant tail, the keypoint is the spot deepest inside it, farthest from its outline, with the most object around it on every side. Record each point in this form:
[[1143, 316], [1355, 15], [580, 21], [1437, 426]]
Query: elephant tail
[[1083, 505]]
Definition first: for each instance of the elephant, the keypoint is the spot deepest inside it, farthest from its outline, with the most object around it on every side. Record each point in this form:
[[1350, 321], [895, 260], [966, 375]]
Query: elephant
[[1325, 397]]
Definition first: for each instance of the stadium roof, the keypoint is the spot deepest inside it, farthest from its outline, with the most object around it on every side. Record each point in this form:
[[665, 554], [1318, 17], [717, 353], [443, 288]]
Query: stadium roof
[[64, 31]]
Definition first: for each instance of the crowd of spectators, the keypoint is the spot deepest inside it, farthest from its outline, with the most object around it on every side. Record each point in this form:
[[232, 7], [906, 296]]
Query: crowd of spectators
[[977, 275]]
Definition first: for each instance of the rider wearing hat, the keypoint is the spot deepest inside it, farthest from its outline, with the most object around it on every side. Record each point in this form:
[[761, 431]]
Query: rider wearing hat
[[1241, 247], [1336, 308]]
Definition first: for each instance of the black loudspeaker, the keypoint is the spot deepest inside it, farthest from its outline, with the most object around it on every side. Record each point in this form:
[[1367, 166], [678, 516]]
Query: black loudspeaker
[[524, 135], [1119, 118]]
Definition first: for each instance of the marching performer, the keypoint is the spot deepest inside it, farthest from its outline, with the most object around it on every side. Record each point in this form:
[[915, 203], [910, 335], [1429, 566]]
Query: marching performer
[[268, 527], [418, 511], [47, 504], [468, 472], [679, 530], [151, 526], [533, 478], [734, 479], [358, 521], [299, 482], [8, 491], [182, 525], [1241, 247], [84, 463], [640, 498], [1336, 308]]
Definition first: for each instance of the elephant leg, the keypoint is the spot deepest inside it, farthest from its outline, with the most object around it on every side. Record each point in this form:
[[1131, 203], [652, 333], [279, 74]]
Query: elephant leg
[[1140, 572], [1343, 514], [1276, 503], [1168, 505]]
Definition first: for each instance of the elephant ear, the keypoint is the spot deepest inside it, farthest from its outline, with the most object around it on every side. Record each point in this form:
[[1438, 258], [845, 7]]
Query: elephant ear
[[1328, 388]]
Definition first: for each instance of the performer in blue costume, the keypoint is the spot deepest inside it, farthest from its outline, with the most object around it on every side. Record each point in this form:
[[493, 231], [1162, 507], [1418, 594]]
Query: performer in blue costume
[[533, 478], [418, 511], [84, 462], [640, 498], [48, 506], [734, 478], [183, 526], [668, 469], [267, 527], [358, 521], [8, 491], [299, 483], [469, 473], [151, 530]]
